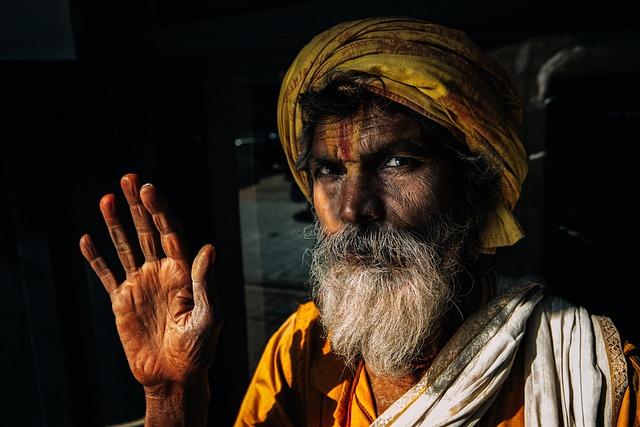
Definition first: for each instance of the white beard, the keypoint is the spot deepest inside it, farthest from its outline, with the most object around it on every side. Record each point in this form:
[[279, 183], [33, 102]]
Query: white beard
[[380, 294]]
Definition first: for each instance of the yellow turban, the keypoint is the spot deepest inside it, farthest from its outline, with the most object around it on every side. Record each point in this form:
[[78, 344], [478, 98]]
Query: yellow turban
[[436, 71]]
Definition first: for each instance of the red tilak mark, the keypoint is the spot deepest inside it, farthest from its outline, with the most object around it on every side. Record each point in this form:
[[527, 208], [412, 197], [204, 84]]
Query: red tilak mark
[[343, 145], [344, 150]]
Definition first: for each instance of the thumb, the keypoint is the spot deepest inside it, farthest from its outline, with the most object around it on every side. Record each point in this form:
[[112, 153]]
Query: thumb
[[202, 265]]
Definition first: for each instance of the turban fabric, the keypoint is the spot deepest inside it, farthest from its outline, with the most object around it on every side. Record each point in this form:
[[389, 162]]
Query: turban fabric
[[437, 72]]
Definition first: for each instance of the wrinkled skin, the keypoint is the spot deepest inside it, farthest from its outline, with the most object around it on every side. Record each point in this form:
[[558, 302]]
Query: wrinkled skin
[[165, 310], [380, 167]]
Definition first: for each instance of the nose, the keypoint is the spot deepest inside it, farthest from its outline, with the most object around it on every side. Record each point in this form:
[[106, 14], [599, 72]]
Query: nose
[[360, 202]]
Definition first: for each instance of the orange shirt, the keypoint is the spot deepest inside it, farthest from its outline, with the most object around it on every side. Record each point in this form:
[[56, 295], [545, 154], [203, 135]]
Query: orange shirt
[[299, 382]]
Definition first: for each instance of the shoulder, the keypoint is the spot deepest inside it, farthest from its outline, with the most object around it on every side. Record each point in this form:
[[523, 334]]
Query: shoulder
[[566, 329], [299, 330], [302, 320], [307, 351], [306, 316], [298, 336], [276, 393]]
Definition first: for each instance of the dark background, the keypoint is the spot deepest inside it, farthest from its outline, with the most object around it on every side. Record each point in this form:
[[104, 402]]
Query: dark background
[[90, 90]]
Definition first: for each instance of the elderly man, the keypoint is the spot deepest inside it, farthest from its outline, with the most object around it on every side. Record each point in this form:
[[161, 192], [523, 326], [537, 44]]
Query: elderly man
[[403, 134]]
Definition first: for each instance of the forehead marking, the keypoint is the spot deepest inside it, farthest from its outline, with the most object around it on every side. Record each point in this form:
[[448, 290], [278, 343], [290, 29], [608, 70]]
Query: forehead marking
[[343, 141], [350, 131]]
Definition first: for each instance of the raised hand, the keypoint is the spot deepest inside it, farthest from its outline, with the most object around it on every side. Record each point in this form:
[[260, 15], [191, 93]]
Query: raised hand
[[166, 321]]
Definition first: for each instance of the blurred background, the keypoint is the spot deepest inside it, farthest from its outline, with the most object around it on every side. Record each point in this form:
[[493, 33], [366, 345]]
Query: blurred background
[[184, 93]]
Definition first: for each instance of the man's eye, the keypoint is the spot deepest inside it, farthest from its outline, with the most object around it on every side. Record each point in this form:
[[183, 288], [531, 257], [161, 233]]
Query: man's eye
[[397, 161], [324, 170], [327, 171]]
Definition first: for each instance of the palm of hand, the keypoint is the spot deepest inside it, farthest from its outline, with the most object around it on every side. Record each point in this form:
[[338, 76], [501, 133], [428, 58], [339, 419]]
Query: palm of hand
[[156, 324], [162, 311]]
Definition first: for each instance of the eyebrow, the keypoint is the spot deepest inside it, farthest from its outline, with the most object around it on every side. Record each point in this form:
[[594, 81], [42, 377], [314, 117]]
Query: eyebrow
[[315, 161], [399, 146], [402, 146]]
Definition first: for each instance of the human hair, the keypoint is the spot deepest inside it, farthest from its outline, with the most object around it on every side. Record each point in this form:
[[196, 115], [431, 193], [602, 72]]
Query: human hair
[[344, 92]]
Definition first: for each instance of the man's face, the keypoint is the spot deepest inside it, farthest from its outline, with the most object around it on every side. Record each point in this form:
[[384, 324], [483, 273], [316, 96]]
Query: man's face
[[387, 250], [379, 167]]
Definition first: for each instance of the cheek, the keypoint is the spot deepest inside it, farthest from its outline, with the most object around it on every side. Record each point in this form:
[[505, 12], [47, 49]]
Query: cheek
[[324, 204], [412, 199]]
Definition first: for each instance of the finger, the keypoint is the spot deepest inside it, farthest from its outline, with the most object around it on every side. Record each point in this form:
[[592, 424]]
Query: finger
[[169, 227], [202, 277], [97, 263], [117, 233], [147, 234], [201, 263]]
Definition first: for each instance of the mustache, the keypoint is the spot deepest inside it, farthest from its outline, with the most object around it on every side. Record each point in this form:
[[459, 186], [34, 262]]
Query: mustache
[[374, 244]]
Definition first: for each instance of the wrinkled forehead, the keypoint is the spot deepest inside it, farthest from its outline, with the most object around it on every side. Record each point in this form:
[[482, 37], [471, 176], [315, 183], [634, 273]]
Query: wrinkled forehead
[[366, 130]]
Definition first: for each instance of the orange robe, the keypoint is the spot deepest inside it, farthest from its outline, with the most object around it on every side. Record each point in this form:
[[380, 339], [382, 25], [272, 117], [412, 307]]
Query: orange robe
[[299, 382]]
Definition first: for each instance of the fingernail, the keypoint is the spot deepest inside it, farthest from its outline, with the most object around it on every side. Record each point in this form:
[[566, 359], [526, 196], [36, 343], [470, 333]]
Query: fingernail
[[128, 184], [106, 203], [86, 246], [148, 184]]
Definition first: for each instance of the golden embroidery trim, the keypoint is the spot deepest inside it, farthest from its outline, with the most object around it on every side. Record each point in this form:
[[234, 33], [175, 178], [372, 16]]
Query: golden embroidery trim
[[617, 364]]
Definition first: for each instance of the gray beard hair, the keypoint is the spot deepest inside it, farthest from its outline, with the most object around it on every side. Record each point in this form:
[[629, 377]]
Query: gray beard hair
[[381, 292]]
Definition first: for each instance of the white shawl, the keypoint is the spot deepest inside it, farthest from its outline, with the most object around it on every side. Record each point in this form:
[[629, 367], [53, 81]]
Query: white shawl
[[567, 369]]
